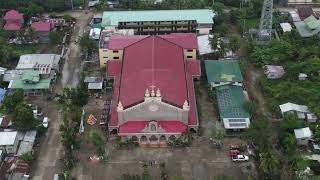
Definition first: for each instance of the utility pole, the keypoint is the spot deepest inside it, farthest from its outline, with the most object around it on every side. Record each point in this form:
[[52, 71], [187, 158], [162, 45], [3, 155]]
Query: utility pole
[[71, 1], [265, 27]]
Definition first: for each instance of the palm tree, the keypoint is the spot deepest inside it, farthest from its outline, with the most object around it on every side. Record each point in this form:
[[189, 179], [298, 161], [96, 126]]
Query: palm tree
[[268, 163]]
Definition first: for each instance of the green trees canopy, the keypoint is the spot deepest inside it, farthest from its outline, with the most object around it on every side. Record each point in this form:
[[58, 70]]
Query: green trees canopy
[[11, 101], [23, 118]]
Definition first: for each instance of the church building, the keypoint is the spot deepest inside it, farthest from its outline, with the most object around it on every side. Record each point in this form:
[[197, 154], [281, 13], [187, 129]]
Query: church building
[[153, 91]]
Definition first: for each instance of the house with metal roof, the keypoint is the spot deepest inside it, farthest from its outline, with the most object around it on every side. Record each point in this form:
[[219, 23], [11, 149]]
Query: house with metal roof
[[153, 96], [224, 76], [303, 135], [223, 72], [44, 63], [13, 20], [9, 142], [161, 21], [308, 27], [41, 31], [301, 111], [31, 83], [231, 103]]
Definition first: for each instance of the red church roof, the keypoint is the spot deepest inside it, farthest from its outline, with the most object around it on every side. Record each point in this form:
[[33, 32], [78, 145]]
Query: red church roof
[[42, 26], [13, 15], [189, 40], [154, 61]]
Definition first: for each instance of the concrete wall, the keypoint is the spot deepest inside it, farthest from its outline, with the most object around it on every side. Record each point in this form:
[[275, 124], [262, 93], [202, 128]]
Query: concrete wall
[[190, 54], [106, 55], [103, 57]]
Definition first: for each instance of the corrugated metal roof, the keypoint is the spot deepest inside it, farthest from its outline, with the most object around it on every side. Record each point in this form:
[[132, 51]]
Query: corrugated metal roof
[[293, 107], [202, 16], [8, 138], [223, 71], [304, 31], [302, 133], [231, 102], [28, 61], [19, 84], [312, 22]]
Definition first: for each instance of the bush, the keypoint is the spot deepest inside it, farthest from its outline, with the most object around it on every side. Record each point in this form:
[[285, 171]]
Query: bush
[[27, 157]]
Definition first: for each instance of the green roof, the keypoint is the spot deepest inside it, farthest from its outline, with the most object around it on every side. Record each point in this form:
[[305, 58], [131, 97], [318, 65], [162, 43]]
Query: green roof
[[312, 23], [304, 30], [20, 84], [231, 102], [223, 71], [112, 18], [33, 76]]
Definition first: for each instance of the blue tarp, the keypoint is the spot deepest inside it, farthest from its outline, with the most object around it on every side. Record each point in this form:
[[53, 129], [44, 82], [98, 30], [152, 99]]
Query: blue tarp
[[2, 94]]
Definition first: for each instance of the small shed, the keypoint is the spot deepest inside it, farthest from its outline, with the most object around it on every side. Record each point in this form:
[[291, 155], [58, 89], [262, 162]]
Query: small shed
[[311, 118], [303, 135], [302, 76], [300, 110], [95, 33], [286, 27], [273, 72]]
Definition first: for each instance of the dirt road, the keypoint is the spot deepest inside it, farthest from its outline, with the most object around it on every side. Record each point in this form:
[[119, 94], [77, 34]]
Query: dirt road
[[47, 163]]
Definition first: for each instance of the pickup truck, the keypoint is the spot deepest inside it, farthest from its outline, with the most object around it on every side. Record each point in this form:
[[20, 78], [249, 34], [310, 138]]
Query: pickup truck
[[240, 158]]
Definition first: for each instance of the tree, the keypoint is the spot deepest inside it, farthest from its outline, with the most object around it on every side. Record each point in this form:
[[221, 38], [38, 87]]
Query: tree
[[291, 122], [69, 142], [11, 101], [27, 157], [259, 133], [55, 37], [76, 96], [234, 44], [98, 142], [268, 163], [288, 142], [23, 118], [87, 44]]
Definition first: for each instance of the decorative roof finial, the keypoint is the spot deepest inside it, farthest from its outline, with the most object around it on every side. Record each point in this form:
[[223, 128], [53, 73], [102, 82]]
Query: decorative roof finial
[[147, 94], [186, 105], [158, 94], [152, 92], [120, 107]]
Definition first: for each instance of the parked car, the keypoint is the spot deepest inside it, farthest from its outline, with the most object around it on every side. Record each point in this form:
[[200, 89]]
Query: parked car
[[36, 111], [45, 122], [240, 158]]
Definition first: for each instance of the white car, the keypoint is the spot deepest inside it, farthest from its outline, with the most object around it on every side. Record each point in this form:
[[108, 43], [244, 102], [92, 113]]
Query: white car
[[240, 157], [45, 122]]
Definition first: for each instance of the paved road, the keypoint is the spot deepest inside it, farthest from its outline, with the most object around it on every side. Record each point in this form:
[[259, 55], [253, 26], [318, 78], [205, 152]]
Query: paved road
[[51, 149]]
